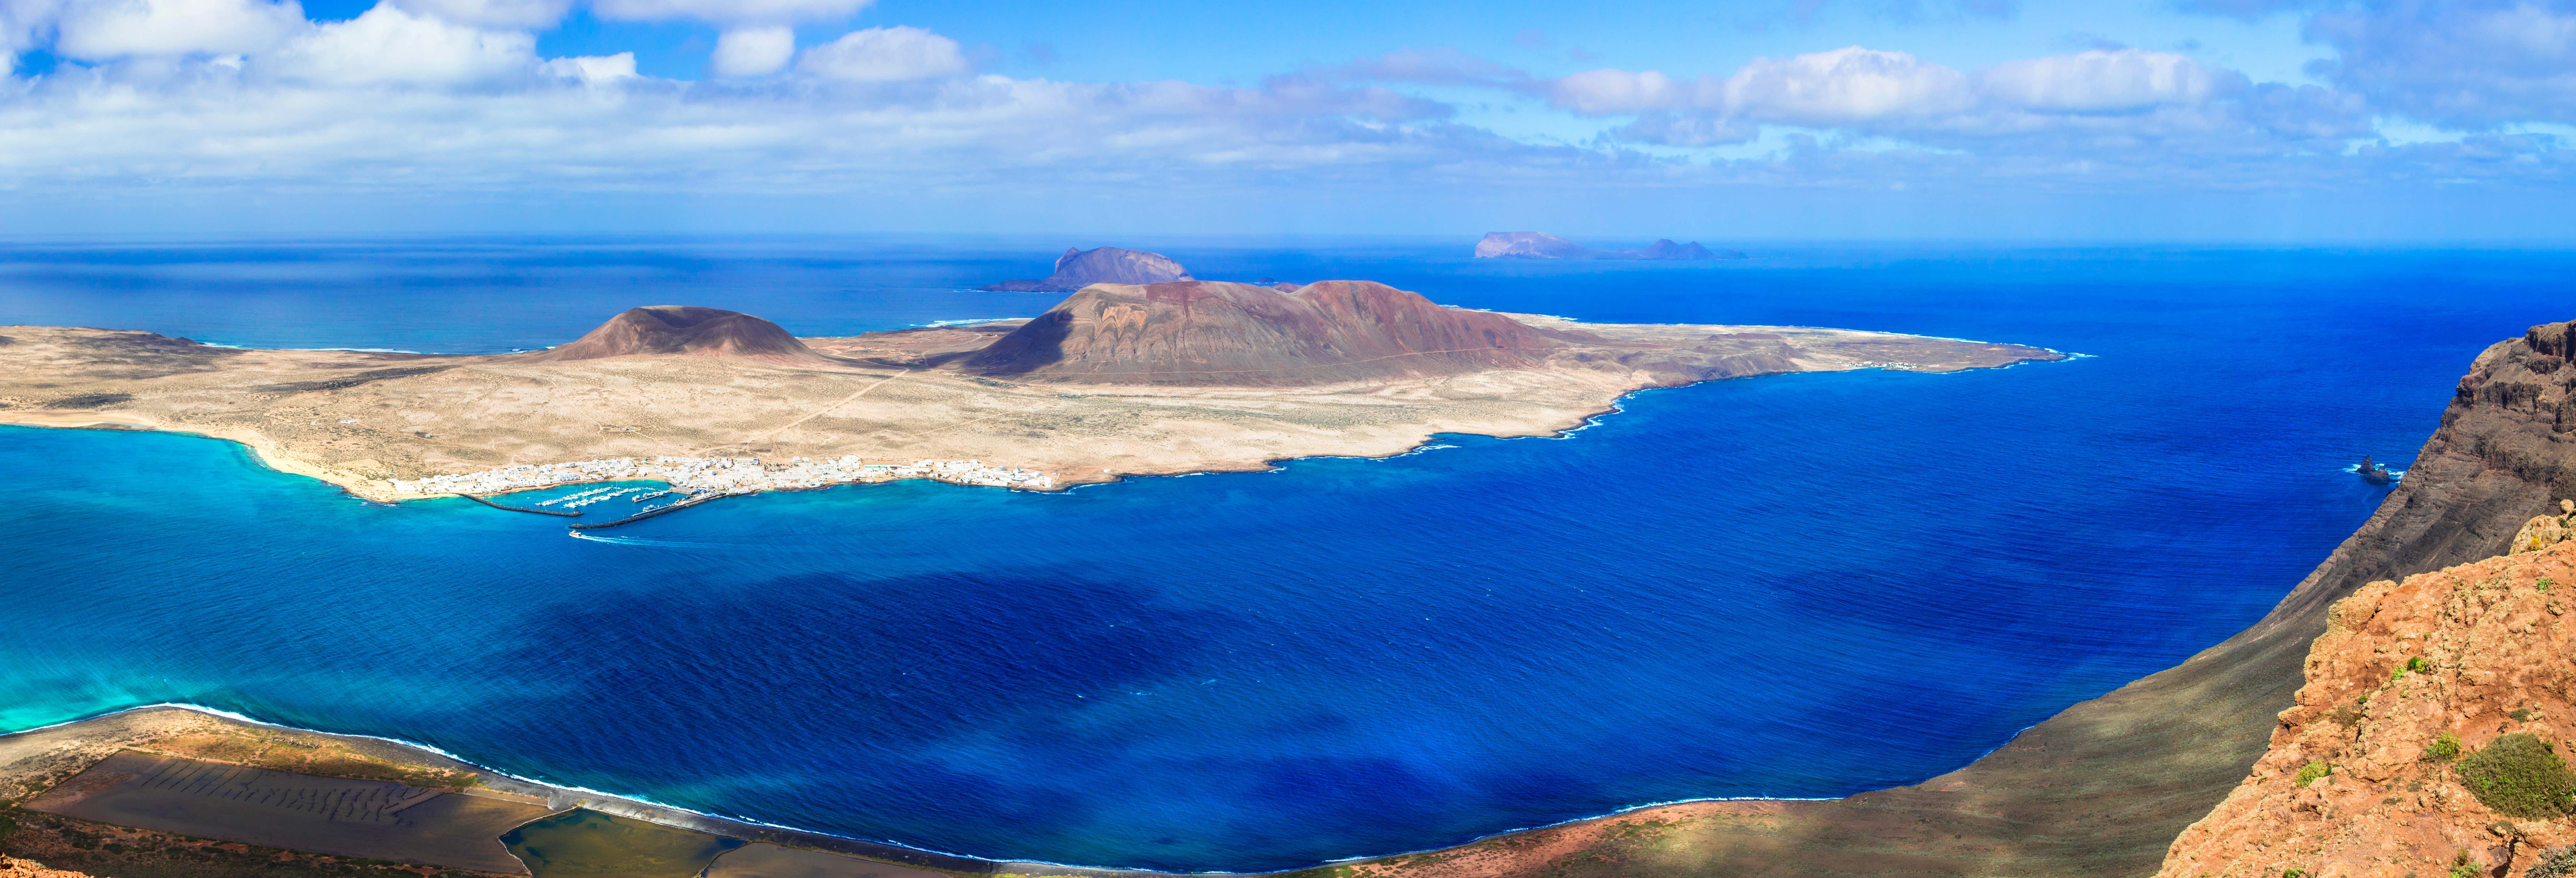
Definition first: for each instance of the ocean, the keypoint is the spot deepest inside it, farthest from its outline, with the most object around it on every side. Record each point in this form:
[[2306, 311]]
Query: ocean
[[1801, 586]]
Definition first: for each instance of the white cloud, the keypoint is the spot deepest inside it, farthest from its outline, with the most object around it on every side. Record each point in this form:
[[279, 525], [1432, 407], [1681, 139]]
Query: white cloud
[[734, 12], [593, 68], [753, 51], [388, 45], [1843, 86], [2105, 81], [2468, 64], [885, 54], [524, 14], [94, 30]]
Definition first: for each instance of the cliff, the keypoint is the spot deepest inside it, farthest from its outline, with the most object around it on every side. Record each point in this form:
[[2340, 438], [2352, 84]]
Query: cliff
[[2107, 785], [1213, 333], [687, 330], [1103, 265], [2425, 737]]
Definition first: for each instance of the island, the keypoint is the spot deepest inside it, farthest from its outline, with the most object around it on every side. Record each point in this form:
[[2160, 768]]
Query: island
[[1541, 245], [1101, 265], [1115, 380]]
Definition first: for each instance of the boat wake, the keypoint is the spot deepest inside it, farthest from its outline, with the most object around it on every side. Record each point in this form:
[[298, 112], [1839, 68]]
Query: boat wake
[[685, 544]]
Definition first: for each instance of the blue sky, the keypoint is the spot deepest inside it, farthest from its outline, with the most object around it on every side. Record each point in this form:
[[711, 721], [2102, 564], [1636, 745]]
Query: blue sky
[[2256, 120]]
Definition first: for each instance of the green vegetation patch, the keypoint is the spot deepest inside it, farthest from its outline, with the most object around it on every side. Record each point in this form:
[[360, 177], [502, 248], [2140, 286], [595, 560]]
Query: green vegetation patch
[[2310, 772], [590, 844], [2519, 775], [2443, 749]]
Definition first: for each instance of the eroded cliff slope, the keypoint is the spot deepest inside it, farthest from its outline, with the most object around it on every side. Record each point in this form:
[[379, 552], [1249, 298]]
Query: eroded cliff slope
[[2105, 787], [2427, 737]]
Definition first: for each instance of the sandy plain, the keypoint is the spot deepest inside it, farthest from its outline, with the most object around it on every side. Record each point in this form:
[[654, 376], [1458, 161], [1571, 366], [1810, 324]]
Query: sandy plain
[[361, 419]]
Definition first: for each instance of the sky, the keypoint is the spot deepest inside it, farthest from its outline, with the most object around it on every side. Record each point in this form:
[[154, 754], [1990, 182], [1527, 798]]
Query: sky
[[2198, 120]]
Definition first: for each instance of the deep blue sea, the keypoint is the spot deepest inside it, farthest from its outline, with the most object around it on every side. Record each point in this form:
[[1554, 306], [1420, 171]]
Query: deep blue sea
[[1791, 586]]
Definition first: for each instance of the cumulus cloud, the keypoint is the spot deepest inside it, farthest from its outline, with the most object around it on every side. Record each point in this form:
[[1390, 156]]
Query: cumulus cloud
[[94, 30], [389, 46], [2040, 116], [736, 12], [594, 69], [884, 54], [2470, 64], [523, 14], [1842, 86], [449, 96], [753, 51], [2106, 81]]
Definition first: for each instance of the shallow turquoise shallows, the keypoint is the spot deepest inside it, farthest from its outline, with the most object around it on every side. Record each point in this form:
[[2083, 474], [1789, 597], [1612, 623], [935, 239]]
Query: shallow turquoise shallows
[[1791, 586]]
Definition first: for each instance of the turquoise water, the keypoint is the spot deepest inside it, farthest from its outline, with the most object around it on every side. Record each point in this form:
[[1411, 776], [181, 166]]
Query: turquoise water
[[1799, 586]]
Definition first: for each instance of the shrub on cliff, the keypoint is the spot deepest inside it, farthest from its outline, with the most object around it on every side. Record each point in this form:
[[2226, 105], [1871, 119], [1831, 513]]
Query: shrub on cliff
[[2554, 863], [2519, 776], [2310, 772], [2443, 749]]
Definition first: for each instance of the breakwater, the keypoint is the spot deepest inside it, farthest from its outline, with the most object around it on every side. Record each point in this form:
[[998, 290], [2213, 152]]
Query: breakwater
[[640, 516], [520, 508]]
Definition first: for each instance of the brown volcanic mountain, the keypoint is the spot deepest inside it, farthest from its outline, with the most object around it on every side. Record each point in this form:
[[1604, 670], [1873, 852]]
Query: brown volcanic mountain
[[686, 329], [1216, 333]]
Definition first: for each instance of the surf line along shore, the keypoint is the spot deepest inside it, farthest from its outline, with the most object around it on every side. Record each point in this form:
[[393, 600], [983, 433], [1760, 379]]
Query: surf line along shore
[[1116, 380]]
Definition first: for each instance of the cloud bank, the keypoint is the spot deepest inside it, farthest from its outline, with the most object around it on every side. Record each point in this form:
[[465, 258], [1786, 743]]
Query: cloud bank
[[417, 98]]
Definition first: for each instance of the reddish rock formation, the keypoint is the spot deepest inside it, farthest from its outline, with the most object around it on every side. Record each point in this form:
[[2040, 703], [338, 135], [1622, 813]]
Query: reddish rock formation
[[1213, 333], [12, 867], [2359, 779], [685, 329]]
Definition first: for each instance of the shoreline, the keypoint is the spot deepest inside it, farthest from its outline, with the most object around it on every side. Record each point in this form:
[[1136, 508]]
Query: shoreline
[[560, 797], [385, 490]]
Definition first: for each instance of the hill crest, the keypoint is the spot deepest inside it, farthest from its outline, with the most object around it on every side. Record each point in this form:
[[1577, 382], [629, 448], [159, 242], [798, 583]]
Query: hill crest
[[685, 330], [1211, 332]]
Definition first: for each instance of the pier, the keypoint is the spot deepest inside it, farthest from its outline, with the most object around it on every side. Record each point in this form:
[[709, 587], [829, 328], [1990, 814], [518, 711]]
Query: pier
[[520, 508], [640, 516]]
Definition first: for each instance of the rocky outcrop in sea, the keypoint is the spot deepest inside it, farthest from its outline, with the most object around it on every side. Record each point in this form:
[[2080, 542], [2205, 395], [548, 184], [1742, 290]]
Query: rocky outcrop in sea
[[1102, 265], [1541, 245]]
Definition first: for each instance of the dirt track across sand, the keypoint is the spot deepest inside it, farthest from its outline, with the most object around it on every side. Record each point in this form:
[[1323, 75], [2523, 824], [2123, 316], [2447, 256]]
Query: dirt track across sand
[[358, 818]]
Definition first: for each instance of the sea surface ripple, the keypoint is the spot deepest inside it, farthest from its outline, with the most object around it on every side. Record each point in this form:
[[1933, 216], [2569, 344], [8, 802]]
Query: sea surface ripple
[[1804, 585]]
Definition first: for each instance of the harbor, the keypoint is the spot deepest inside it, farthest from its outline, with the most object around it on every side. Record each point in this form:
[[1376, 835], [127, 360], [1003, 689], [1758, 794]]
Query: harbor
[[721, 474], [651, 511]]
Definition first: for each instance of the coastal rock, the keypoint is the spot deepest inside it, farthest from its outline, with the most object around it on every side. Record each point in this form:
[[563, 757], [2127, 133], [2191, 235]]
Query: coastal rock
[[2376, 755], [1103, 265], [1215, 333], [684, 329], [1541, 245]]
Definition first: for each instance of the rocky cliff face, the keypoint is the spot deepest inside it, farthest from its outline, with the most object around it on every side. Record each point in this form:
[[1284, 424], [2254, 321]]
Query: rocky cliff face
[[2400, 755], [685, 329], [1104, 265], [1212, 333]]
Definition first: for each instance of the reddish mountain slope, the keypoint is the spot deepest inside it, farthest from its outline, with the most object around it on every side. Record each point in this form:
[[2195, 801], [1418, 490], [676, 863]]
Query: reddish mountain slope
[[1208, 332], [686, 329]]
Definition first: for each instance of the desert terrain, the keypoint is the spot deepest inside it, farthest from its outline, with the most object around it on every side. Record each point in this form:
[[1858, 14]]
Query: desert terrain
[[1117, 381]]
